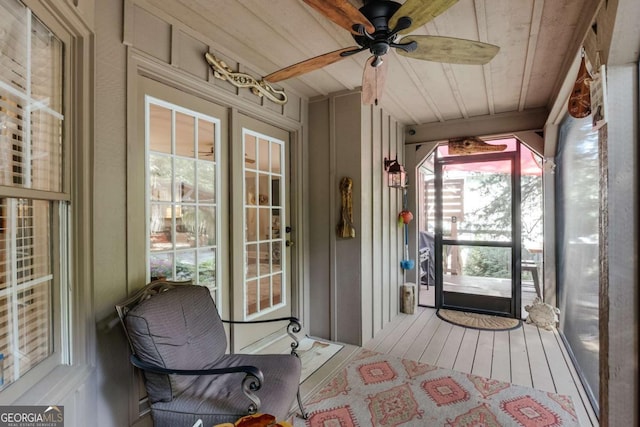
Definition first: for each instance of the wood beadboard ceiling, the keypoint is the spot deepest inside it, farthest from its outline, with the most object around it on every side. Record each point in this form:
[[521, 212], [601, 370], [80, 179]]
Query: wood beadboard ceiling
[[538, 40]]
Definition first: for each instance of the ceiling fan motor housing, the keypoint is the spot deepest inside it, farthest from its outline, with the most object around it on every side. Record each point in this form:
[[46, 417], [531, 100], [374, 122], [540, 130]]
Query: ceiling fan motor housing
[[378, 12]]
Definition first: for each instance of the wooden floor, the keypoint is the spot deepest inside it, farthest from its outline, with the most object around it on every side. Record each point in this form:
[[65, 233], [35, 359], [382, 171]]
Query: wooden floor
[[525, 356]]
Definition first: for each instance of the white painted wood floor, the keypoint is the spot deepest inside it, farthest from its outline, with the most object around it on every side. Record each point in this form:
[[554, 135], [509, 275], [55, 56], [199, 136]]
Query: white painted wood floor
[[526, 356]]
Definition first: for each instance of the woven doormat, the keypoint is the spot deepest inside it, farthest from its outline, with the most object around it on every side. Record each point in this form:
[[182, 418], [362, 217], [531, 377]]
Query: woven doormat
[[478, 321]]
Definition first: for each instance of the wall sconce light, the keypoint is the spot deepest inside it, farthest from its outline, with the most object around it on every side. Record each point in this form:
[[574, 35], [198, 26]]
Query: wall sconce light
[[396, 172]]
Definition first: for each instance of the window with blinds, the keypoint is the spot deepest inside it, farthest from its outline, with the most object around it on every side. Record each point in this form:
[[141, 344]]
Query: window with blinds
[[31, 188]]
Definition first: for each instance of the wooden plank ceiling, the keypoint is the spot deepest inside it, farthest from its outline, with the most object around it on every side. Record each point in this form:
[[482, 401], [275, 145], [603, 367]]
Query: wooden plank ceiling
[[538, 40]]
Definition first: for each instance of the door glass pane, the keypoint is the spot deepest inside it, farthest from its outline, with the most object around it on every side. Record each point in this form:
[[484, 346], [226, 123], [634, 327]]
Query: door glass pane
[[476, 201], [207, 267], [160, 173], [477, 270], [185, 265], [186, 226], [206, 182], [276, 254], [251, 255], [251, 288], [206, 141], [160, 125], [264, 163], [183, 228], [277, 288], [185, 135], [276, 160], [263, 206], [265, 293], [185, 180]]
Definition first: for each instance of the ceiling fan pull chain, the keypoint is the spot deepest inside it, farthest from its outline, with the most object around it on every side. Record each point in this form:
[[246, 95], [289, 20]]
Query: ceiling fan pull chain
[[376, 100]]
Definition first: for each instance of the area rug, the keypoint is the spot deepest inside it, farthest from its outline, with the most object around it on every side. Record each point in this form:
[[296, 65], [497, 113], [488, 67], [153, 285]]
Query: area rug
[[315, 353], [478, 321], [382, 390]]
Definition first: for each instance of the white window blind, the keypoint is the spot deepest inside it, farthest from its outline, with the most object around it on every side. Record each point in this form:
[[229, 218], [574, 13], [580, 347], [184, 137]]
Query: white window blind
[[31, 158]]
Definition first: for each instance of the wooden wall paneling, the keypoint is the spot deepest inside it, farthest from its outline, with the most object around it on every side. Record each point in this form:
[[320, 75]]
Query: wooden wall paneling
[[366, 227], [401, 156], [386, 226], [320, 217], [152, 35], [377, 180], [293, 108], [410, 158], [190, 55], [347, 261], [393, 215], [160, 35], [400, 243]]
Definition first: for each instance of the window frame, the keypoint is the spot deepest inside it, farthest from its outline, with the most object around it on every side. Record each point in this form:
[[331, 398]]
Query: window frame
[[72, 306]]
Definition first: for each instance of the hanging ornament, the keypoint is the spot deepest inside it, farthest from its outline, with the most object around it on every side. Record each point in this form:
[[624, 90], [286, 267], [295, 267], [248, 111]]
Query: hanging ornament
[[580, 99], [405, 217]]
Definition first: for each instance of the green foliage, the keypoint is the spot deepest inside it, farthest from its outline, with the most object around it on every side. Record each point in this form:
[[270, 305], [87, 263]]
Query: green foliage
[[488, 262]]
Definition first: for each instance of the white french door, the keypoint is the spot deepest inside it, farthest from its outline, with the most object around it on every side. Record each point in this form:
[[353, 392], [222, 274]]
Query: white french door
[[216, 207], [261, 268]]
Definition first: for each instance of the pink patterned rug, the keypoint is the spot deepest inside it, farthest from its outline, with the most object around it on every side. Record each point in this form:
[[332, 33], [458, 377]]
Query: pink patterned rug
[[380, 390]]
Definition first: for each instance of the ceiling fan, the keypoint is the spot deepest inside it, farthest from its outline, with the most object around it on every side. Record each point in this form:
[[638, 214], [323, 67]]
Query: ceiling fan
[[376, 27]]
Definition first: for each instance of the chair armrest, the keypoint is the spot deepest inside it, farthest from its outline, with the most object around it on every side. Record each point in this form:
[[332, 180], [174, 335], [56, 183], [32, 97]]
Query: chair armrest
[[293, 328], [251, 383]]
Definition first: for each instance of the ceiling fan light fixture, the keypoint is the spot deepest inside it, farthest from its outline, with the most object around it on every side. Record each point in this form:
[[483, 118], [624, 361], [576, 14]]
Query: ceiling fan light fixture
[[377, 61]]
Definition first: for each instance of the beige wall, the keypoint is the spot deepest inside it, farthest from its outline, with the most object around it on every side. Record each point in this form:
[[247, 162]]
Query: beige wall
[[354, 283]]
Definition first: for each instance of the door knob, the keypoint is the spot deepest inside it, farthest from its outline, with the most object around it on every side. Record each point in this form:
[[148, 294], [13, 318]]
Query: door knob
[[290, 243]]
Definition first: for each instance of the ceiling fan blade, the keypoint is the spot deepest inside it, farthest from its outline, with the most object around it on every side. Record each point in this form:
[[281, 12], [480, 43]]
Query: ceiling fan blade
[[373, 80], [342, 13], [450, 50], [307, 65], [420, 12]]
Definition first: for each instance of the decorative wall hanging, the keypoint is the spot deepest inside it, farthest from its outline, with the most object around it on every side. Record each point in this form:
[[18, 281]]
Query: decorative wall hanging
[[242, 80], [472, 145], [580, 98], [345, 228]]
